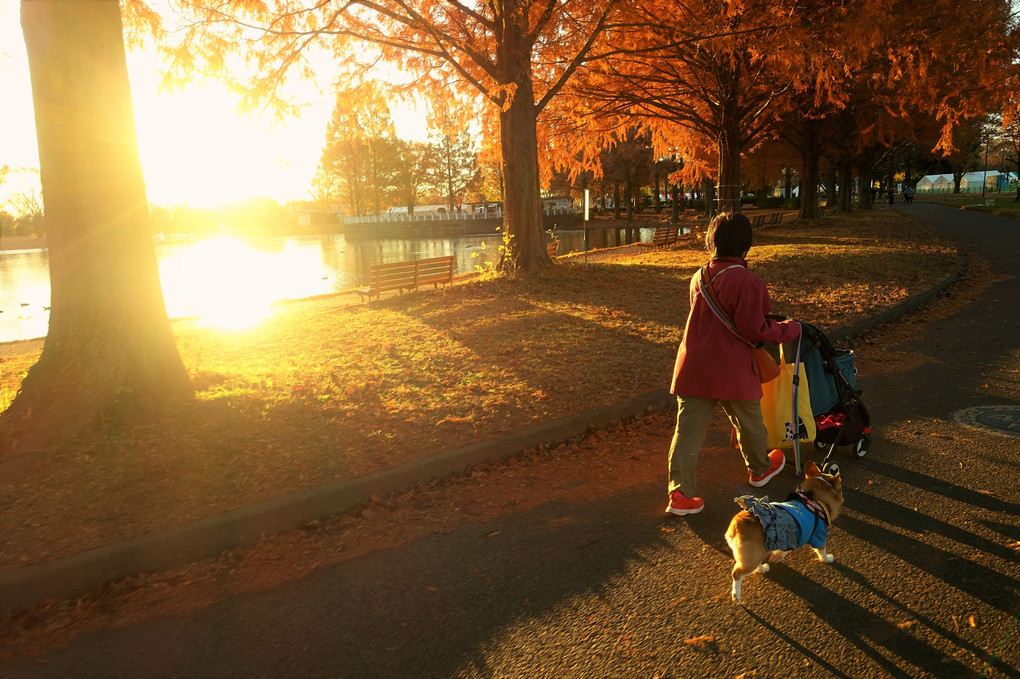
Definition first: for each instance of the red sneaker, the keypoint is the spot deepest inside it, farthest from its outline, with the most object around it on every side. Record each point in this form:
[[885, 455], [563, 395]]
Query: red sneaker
[[681, 505], [778, 460]]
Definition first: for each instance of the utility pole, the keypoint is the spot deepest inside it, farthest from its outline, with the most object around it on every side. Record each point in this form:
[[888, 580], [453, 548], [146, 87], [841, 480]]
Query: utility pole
[[984, 178]]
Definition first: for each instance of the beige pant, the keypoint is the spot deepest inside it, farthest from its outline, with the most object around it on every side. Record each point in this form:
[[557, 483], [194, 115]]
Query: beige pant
[[692, 419]]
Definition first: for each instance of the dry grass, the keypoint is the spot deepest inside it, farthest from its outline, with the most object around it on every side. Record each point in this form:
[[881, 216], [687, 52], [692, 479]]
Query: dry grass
[[327, 390]]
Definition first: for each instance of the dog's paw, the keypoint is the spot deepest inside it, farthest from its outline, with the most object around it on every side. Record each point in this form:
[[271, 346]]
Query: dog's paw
[[764, 568], [828, 558], [823, 555]]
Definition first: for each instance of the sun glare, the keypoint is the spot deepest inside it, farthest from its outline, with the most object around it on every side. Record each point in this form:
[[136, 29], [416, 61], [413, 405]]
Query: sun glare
[[220, 283], [195, 147], [231, 284]]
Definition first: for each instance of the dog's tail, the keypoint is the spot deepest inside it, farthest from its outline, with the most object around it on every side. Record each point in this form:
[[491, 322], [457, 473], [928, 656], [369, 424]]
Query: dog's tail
[[731, 536]]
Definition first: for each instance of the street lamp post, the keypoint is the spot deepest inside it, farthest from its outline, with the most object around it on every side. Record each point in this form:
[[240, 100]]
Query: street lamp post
[[984, 177]]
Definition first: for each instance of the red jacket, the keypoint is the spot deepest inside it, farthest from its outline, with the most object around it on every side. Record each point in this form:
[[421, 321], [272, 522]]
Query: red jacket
[[712, 362]]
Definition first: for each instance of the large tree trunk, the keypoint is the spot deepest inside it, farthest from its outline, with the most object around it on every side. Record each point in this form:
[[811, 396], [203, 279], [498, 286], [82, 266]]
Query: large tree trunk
[[523, 234], [110, 346], [729, 166], [809, 171]]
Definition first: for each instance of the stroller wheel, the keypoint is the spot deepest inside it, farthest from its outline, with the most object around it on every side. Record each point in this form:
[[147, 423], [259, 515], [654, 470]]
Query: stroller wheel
[[830, 468], [861, 449]]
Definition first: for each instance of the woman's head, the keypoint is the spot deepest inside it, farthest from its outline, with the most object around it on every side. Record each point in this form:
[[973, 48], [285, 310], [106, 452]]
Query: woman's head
[[729, 235]]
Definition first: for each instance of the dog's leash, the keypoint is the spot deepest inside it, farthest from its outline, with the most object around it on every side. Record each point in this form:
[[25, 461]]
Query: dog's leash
[[796, 388]]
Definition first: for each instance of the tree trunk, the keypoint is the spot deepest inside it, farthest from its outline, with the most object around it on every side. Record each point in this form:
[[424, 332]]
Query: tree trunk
[[831, 196], [908, 170], [674, 215], [629, 185], [809, 171], [866, 173], [524, 237], [729, 167], [109, 347], [788, 198], [708, 191], [846, 180]]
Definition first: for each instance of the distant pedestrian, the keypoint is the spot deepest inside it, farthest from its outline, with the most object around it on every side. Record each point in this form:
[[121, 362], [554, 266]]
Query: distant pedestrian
[[713, 365], [908, 195], [892, 195]]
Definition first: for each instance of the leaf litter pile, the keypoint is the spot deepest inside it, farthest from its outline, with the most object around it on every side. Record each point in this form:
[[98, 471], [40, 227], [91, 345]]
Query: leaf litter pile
[[328, 389]]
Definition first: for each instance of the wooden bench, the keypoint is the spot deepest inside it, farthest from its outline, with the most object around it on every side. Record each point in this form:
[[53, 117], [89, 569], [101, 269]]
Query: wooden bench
[[776, 218], [664, 236], [408, 275], [758, 222]]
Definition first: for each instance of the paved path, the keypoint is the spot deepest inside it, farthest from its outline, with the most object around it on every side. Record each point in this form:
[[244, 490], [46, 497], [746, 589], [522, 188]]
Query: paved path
[[926, 583]]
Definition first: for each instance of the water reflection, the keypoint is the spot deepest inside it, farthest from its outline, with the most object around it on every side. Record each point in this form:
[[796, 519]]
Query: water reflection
[[231, 282]]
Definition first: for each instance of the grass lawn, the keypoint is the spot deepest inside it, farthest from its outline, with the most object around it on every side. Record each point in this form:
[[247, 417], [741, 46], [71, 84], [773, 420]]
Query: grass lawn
[[326, 389], [1004, 204]]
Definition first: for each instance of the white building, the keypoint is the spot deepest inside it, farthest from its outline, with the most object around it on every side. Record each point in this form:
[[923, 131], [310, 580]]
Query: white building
[[935, 183], [969, 183]]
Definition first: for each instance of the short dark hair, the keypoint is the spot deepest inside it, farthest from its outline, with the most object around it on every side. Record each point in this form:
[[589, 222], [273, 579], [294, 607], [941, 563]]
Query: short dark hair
[[729, 235]]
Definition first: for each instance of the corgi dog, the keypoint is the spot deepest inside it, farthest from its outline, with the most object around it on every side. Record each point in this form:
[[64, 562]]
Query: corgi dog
[[765, 532]]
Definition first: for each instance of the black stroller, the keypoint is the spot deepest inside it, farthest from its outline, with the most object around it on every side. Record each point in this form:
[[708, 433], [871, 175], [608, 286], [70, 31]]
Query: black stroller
[[841, 418]]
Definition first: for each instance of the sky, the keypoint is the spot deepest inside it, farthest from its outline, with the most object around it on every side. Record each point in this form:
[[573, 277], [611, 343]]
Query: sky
[[195, 147]]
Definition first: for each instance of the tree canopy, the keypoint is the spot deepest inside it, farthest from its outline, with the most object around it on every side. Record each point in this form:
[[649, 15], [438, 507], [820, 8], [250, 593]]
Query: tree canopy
[[515, 55]]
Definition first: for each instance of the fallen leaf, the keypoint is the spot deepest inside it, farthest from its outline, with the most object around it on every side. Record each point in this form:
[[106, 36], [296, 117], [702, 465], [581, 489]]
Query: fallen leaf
[[703, 640]]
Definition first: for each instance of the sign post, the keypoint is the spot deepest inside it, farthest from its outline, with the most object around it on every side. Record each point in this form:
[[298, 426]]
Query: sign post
[[587, 193]]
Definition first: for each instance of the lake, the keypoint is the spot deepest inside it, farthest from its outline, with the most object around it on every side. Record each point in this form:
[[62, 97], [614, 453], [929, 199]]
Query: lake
[[233, 281]]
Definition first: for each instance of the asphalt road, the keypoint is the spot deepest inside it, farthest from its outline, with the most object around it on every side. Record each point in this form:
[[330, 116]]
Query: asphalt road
[[926, 581]]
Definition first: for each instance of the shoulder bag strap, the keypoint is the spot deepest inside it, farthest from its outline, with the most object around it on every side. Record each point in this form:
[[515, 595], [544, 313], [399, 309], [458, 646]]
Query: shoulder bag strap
[[703, 284]]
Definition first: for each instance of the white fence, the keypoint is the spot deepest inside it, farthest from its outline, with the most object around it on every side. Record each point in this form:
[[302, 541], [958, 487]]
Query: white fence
[[441, 216]]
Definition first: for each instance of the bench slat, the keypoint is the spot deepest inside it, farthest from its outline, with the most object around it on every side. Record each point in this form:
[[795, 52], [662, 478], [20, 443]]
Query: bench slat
[[409, 275], [663, 236]]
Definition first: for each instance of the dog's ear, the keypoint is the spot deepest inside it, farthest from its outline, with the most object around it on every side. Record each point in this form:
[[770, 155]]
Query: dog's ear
[[811, 470]]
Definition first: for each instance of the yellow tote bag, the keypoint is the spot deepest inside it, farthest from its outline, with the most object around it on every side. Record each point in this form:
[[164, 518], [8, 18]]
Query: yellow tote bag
[[777, 406]]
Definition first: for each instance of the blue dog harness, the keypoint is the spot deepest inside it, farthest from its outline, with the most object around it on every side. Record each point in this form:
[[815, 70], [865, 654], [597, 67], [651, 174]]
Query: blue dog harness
[[800, 520]]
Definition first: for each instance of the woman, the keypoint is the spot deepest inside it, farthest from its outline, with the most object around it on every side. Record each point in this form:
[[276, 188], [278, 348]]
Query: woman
[[713, 365]]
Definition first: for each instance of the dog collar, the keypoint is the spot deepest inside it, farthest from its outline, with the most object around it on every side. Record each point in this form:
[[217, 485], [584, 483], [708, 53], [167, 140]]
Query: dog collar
[[816, 507]]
